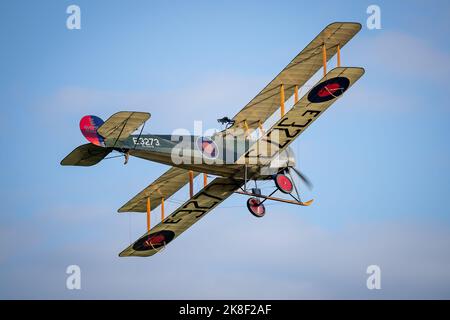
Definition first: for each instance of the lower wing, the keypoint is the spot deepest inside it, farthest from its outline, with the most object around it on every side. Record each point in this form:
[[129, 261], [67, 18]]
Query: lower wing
[[302, 114], [162, 188], [184, 217]]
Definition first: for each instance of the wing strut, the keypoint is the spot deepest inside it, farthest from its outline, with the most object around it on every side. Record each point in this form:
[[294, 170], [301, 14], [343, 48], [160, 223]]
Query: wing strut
[[148, 214], [338, 55], [191, 183], [162, 209]]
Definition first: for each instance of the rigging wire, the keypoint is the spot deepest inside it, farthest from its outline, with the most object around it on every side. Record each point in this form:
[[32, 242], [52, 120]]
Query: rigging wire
[[112, 157], [129, 228]]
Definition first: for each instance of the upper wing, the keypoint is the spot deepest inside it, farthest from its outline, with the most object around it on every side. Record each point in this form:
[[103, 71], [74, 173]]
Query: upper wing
[[296, 73], [302, 114], [163, 187], [185, 216], [85, 155], [121, 124]]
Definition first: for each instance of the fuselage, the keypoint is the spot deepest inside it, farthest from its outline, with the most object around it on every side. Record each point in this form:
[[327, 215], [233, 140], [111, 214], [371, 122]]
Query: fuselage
[[215, 155]]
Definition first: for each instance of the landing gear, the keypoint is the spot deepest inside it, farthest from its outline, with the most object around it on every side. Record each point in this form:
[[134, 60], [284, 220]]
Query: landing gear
[[283, 183], [256, 208]]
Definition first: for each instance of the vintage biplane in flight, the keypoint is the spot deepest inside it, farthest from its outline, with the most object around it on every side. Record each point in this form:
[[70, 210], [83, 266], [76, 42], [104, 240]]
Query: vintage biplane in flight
[[235, 156]]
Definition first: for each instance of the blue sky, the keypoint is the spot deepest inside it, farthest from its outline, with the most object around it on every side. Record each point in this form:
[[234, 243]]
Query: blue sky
[[379, 158]]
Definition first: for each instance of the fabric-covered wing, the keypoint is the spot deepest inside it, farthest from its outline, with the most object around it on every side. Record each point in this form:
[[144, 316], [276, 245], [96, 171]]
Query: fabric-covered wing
[[85, 155], [302, 114], [163, 187], [181, 219], [121, 124], [296, 73]]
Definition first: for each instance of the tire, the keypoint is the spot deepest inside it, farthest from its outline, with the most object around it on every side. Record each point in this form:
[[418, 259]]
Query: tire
[[283, 183], [256, 208]]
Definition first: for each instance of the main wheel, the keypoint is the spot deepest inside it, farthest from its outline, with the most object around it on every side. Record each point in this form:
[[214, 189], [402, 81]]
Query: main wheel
[[256, 208], [283, 183]]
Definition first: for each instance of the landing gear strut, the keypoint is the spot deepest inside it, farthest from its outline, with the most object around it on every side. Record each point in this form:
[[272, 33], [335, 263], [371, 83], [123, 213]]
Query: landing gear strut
[[283, 183]]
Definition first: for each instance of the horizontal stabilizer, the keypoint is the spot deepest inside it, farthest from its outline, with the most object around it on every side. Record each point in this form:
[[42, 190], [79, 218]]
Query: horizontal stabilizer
[[86, 155], [121, 124]]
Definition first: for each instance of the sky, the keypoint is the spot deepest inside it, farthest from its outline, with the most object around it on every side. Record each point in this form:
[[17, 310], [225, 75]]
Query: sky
[[379, 158]]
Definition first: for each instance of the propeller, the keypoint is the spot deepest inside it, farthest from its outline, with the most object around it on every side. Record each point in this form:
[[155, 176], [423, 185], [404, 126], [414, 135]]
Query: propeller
[[302, 177]]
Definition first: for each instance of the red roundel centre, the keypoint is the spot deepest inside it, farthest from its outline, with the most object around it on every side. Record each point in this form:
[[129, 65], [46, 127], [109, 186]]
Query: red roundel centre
[[208, 147], [328, 90], [156, 240]]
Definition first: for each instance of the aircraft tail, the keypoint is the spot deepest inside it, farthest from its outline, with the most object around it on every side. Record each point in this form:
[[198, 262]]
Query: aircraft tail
[[90, 153], [119, 126]]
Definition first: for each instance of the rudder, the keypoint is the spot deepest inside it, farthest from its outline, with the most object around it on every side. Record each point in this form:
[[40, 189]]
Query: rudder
[[88, 126]]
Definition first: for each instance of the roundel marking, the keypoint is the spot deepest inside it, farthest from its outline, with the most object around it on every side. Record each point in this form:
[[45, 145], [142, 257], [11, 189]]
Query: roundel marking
[[154, 240], [328, 89], [208, 147]]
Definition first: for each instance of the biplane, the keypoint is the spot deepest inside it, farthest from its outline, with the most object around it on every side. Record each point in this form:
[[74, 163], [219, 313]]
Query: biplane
[[241, 154]]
